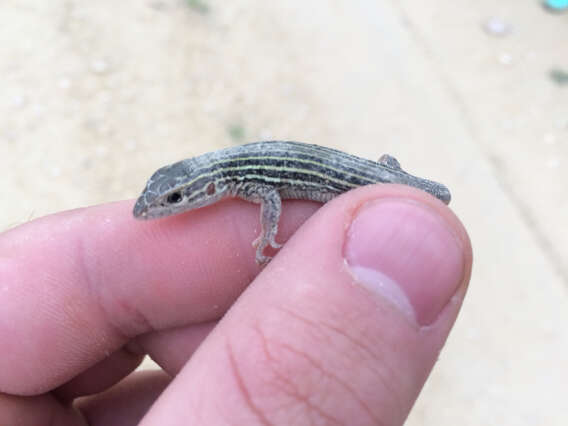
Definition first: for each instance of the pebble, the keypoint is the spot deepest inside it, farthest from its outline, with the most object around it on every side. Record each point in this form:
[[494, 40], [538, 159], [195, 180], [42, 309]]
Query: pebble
[[496, 27], [64, 83], [99, 66], [18, 101], [505, 59], [55, 171]]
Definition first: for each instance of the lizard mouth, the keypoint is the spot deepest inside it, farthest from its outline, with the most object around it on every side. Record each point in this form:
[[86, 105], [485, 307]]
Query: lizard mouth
[[140, 210]]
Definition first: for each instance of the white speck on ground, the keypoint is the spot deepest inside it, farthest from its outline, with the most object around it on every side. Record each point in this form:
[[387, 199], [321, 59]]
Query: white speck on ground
[[99, 66], [505, 58], [497, 27]]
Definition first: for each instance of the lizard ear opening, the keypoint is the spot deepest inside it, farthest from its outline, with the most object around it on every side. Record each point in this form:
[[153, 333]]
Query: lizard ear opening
[[210, 190]]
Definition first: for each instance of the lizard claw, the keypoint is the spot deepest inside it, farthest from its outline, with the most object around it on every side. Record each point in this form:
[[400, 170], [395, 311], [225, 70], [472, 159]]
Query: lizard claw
[[262, 259], [260, 244], [274, 244]]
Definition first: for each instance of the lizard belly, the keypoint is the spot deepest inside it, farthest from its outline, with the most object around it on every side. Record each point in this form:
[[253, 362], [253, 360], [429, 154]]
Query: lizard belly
[[320, 195]]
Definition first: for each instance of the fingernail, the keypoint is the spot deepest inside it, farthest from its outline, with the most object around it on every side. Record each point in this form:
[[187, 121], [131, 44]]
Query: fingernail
[[402, 250]]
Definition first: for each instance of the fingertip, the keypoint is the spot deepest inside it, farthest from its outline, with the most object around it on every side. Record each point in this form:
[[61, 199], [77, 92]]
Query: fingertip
[[395, 245]]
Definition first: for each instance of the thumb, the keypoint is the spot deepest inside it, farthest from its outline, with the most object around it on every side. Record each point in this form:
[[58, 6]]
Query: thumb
[[342, 327]]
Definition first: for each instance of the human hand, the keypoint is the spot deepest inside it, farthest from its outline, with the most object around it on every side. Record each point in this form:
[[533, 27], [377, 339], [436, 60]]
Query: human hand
[[322, 335]]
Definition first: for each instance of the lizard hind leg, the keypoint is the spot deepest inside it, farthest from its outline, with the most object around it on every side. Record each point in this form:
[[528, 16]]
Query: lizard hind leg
[[389, 161]]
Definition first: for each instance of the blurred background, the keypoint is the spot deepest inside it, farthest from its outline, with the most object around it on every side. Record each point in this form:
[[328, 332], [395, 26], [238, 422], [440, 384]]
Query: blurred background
[[96, 95]]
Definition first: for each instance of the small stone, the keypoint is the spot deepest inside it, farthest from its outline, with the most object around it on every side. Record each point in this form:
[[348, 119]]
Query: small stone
[[505, 59], [266, 134], [18, 101], [99, 66], [64, 83], [55, 171], [496, 27]]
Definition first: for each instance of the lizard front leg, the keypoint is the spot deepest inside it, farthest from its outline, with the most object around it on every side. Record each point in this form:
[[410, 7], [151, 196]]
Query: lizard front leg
[[270, 210]]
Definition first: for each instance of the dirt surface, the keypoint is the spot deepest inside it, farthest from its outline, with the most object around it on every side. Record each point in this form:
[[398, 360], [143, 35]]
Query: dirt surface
[[96, 95]]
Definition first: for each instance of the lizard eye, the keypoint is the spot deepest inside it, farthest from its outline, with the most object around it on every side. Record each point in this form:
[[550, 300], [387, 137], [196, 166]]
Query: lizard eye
[[174, 198]]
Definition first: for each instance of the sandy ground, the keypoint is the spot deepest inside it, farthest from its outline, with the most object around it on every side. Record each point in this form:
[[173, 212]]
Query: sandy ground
[[95, 95]]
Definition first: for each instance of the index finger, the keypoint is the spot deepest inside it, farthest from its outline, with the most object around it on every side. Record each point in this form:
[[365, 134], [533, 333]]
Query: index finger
[[75, 286]]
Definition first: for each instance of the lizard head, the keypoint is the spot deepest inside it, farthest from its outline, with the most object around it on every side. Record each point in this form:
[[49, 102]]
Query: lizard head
[[176, 188]]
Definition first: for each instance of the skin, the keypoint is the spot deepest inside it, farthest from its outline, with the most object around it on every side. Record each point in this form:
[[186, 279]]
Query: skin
[[86, 293]]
